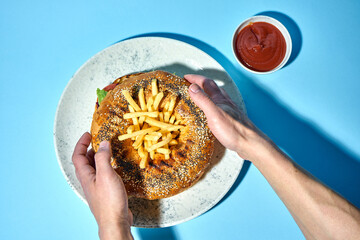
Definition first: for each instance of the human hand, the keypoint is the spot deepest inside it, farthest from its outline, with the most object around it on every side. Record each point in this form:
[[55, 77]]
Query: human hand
[[227, 122], [103, 188], [334, 217]]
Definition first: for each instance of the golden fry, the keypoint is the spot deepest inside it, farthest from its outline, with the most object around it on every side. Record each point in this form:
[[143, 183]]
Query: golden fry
[[172, 104], [149, 104], [174, 128], [138, 141], [142, 99], [158, 134], [151, 137], [165, 109], [157, 100], [141, 120], [173, 142], [154, 88], [135, 120], [139, 114], [130, 129], [172, 119], [137, 133], [163, 150], [166, 126], [131, 100], [143, 163], [141, 152], [167, 116], [161, 116], [160, 144]]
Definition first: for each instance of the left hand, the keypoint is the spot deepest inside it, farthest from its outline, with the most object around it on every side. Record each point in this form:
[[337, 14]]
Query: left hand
[[104, 190]]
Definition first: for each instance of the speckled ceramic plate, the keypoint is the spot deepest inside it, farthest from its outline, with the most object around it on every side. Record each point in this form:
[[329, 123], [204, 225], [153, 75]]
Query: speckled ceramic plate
[[76, 106]]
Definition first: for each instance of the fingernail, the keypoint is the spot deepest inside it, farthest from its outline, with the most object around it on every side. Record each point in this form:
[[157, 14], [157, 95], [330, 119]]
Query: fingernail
[[104, 145], [194, 88]]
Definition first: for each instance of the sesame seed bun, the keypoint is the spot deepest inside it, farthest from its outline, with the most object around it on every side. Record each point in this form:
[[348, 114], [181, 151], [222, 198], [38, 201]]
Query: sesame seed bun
[[188, 159]]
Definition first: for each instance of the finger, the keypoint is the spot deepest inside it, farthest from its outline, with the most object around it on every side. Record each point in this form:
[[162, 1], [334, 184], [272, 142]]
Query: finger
[[84, 171], [102, 159], [82, 145], [209, 86], [203, 101], [131, 217], [90, 156], [194, 78]]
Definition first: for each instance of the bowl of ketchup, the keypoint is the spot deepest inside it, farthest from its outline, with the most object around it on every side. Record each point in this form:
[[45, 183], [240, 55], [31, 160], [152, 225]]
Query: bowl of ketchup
[[261, 44]]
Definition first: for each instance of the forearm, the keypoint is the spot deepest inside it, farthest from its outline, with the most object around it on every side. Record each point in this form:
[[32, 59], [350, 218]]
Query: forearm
[[319, 212], [119, 231]]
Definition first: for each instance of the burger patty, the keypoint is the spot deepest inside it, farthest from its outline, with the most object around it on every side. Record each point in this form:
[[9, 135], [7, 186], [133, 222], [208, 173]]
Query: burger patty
[[162, 177]]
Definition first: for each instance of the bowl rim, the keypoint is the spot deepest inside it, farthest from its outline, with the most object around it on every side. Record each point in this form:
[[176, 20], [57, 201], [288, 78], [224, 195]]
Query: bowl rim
[[275, 23]]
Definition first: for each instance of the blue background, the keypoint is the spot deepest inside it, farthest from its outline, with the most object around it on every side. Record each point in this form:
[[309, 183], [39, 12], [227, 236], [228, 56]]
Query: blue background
[[310, 108]]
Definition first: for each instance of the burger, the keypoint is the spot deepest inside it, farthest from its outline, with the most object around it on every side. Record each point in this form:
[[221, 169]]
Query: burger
[[160, 141]]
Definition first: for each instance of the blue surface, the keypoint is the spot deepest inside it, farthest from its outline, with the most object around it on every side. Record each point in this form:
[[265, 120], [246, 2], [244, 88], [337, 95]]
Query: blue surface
[[310, 107]]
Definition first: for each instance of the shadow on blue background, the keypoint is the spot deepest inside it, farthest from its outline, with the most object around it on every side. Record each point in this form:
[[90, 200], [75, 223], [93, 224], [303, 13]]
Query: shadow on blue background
[[308, 146], [167, 233], [293, 29]]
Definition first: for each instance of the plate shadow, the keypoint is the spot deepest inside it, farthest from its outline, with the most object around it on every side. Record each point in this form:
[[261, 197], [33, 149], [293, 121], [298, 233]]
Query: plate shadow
[[167, 233]]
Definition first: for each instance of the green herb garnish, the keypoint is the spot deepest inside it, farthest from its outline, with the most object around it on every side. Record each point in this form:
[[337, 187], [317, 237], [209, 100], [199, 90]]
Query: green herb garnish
[[100, 94]]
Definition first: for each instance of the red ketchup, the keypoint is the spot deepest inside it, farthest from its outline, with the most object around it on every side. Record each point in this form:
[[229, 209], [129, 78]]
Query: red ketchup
[[260, 46]]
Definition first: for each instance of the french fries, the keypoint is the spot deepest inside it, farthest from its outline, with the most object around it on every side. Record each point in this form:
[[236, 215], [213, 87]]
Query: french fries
[[151, 137], [163, 150], [139, 114], [172, 119], [154, 88], [131, 100], [157, 100], [165, 126], [154, 126], [142, 100], [160, 144], [172, 104], [137, 133], [150, 103]]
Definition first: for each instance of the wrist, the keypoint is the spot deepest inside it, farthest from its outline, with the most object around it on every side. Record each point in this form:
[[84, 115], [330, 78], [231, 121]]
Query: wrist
[[118, 230], [253, 144]]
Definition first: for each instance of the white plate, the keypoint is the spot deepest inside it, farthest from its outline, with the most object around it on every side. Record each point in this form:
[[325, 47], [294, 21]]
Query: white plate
[[76, 106]]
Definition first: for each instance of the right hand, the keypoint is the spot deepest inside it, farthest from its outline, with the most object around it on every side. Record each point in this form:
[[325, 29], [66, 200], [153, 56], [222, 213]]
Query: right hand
[[227, 122], [319, 212]]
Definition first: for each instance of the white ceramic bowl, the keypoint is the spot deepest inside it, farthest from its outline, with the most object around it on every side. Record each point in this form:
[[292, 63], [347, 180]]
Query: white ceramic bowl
[[275, 23]]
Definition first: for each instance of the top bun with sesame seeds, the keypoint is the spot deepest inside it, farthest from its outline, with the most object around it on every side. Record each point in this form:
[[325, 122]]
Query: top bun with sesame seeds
[[153, 174]]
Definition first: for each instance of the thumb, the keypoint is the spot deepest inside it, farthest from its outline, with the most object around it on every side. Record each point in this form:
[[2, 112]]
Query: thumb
[[203, 101], [103, 157]]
